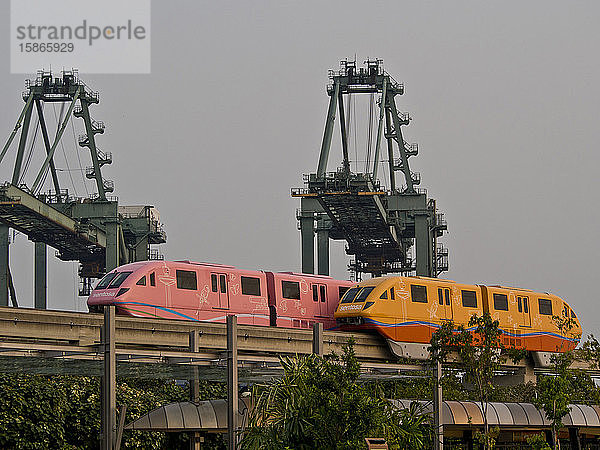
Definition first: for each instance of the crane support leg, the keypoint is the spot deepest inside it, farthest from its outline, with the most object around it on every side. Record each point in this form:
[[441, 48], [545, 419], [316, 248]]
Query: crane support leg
[[423, 241], [390, 146], [326, 144], [40, 275], [322, 250], [93, 150], [379, 130], [44, 128], [112, 245], [3, 265], [21, 149], [307, 225], [57, 139], [400, 142], [346, 159], [17, 126]]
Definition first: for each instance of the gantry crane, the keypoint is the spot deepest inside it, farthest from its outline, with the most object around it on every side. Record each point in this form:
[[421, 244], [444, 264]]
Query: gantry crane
[[379, 225]]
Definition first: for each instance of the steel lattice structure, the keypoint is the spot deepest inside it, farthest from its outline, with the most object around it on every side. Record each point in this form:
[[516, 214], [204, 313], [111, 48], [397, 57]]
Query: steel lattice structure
[[379, 225]]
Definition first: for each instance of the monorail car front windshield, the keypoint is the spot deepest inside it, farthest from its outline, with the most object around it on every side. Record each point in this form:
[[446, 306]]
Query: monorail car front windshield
[[113, 280], [350, 295], [362, 296], [104, 282]]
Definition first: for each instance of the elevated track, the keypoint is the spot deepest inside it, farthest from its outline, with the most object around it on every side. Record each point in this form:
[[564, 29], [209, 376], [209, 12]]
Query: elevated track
[[75, 338]]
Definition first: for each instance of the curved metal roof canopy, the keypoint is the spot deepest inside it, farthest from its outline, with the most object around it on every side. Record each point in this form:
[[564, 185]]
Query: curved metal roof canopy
[[208, 415], [507, 414], [211, 415]]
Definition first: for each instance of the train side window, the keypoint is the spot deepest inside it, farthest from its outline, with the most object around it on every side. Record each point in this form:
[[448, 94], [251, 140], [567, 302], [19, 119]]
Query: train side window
[[315, 289], [520, 304], [565, 311], [573, 316], [383, 296], [142, 281], [186, 279], [447, 292], [545, 306], [418, 293], [290, 289], [469, 299], [525, 305], [323, 290], [440, 296], [223, 282], [392, 293], [500, 302], [214, 284], [152, 279], [250, 286], [342, 290]]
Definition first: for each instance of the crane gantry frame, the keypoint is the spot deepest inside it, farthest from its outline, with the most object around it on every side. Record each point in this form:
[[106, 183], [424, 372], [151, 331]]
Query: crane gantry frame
[[379, 225]]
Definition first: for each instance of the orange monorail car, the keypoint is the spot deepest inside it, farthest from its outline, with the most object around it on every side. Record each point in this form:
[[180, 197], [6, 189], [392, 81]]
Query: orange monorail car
[[407, 310]]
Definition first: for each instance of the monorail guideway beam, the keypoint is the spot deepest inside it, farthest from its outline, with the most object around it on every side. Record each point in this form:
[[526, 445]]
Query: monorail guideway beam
[[380, 226]]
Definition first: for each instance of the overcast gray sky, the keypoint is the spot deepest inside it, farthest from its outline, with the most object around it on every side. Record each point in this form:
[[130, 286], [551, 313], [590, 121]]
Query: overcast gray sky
[[504, 98]]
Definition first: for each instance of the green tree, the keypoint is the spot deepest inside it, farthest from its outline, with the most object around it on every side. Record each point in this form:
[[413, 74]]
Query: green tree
[[480, 354], [63, 412], [32, 413], [320, 403], [556, 391], [538, 442]]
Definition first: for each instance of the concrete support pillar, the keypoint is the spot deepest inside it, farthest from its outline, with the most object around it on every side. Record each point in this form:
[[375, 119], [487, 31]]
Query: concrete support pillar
[[438, 439], [3, 265], [322, 248], [40, 275], [468, 439], [109, 380], [549, 438], [307, 225], [232, 383], [317, 347], [574, 438], [423, 242], [112, 245], [195, 437]]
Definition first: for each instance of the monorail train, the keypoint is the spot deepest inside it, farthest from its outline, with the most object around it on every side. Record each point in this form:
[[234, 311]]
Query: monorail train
[[407, 310], [209, 292]]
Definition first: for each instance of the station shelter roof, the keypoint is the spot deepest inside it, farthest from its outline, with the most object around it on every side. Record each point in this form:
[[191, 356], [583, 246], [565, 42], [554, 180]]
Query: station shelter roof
[[208, 415], [211, 415], [466, 413]]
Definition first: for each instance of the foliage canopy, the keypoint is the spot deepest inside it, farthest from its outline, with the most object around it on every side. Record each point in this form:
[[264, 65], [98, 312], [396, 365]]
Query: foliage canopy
[[320, 403]]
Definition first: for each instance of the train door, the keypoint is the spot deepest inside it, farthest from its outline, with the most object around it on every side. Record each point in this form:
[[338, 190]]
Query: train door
[[319, 293], [219, 290], [523, 307], [445, 304]]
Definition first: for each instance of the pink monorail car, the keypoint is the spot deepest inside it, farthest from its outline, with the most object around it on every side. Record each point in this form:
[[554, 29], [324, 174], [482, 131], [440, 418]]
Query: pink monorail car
[[210, 292]]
